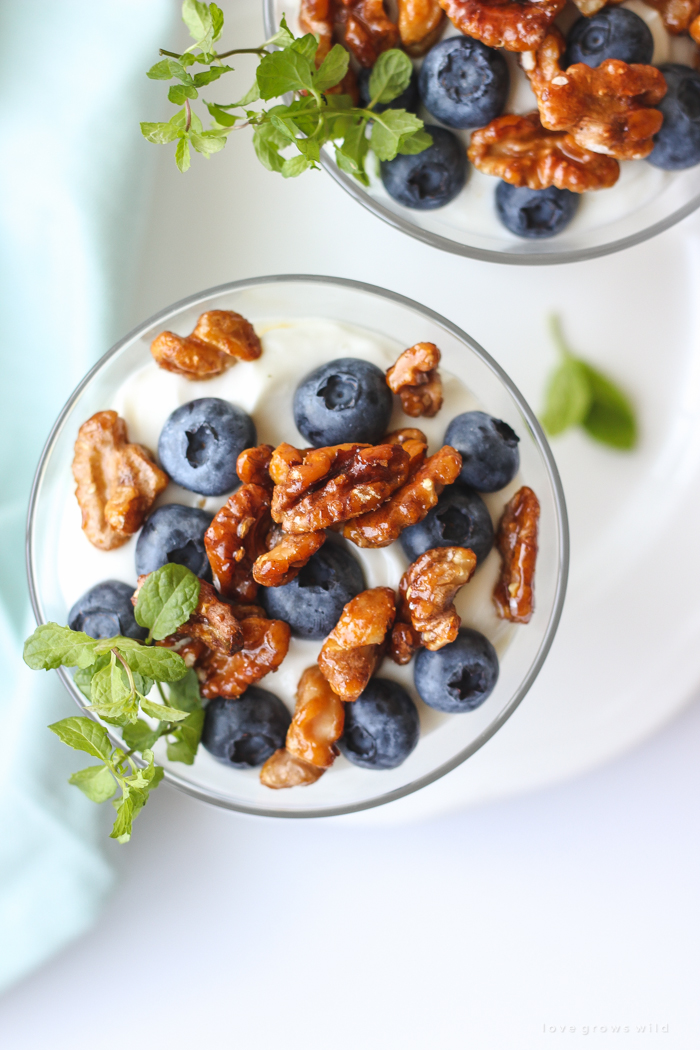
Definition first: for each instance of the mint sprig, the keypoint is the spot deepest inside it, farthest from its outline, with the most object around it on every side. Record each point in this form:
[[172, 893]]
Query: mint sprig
[[288, 137], [579, 395], [117, 675]]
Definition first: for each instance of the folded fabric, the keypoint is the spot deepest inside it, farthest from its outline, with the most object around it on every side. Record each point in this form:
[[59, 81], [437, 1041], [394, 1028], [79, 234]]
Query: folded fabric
[[72, 185]]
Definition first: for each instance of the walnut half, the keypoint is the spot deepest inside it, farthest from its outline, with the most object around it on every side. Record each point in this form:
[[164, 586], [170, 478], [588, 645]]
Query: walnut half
[[427, 592], [516, 540], [220, 337], [116, 482], [514, 25], [353, 649], [415, 378]]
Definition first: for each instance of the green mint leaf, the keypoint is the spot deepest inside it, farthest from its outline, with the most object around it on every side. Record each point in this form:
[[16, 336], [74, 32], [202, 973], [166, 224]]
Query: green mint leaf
[[96, 782], [610, 418], [306, 46], [227, 120], [217, 21], [389, 129], [155, 662], [51, 646], [208, 75], [179, 92], [352, 153], [332, 69], [184, 694], [179, 751], [121, 829], [295, 166], [568, 397], [182, 159], [84, 734], [111, 695], [309, 148], [160, 71], [267, 142], [416, 143], [159, 133], [284, 71], [83, 675], [186, 738], [139, 735], [168, 597], [161, 711], [282, 38], [390, 76], [198, 19], [169, 68], [207, 143], [251, 95]]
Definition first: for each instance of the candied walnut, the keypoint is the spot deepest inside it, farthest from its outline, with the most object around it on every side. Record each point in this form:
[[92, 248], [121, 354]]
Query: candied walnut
[[190, 649], [404, 641], [415, 378], [236, 537], [420, 25], [116, 482], [285, 560], [316, 16], [353, 649], [606, 110], [409, 504], [405, 434], [319, 717], [677, 15], [321, 486], [511, 24], [427, 592], [283, 770], [695, 30], [516, 540], [365, 28], [212, 623], [253, 466], [520, 151], [219, 338], [265, 645]]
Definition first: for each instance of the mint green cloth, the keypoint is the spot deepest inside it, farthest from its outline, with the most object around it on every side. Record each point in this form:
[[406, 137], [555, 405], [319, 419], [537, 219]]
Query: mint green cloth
[[73, 183]]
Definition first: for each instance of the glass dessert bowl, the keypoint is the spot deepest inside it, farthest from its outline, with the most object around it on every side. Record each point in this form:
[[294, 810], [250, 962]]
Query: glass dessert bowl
[[644, 201], [304, 322]]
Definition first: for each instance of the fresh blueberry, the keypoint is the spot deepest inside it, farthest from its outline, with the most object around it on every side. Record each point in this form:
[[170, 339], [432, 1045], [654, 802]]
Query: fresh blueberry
[[381, 726], [463, 82], [312, 603], [200, 443], [613, 32], [244, 732], [174, 533], [460, 519], [429, 179], [345, 400], [678, 142], [105, 611], [408, 99], [489, 450], [535, 213], [460, 676]]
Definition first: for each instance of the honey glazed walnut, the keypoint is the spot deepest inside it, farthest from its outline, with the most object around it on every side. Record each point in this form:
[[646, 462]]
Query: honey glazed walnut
[[420, 25], [427, 591], [520, 151], [320, 487], [116, 482], [516, 540], [318, 720], [514, 25], [607, 109], [284, 770], [415, 378], [219, 339], [362, 25], [677, 15], [353, 649], [286, 558], [213, 625], [236, 538], [265, 645]]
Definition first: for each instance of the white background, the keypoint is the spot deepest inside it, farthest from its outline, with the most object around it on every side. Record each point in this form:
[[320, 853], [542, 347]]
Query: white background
[[569, 907]]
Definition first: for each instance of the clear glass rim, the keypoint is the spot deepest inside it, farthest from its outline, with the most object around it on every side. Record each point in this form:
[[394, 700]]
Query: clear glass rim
[[562, 529], [445, 244]]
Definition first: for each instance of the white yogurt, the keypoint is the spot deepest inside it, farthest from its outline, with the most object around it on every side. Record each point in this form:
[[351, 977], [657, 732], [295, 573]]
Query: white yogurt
[[264, 388]]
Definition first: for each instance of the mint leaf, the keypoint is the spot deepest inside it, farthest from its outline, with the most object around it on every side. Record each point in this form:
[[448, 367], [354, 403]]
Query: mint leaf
[[160, 132], [156, 662], [139, 735], [111, 695], [416, 143], [182, 154], [167, 600], [295, 166], [208, 143], [208, 75], [121, 829], [568, 397], [84, 734], [51, 646], [179, 92], [161, 711], [160, 71], [220, 115], [96, 782], [390, 128], [332, 69], [282, 38], [610, 418], [198, 19], [390, 76], [217, 21], [267, 141], [351, 155], [284, 71], [187, 737], [184, 694], [83, 676]]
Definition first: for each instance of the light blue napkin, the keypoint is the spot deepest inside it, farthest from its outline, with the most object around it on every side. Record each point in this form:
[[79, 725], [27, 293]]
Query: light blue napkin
[[73, 179]]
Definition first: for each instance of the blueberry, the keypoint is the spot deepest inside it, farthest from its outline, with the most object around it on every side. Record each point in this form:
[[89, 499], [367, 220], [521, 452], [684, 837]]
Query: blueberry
[[312, 603], [678, 142], [489, 450], [613, 32], [408, 99], [463, 82], [535, 213], [429, 179], [200, 443], [460, 519], [345, 400], [174, 533], [105, 611], [244, 732], [381, 726], [460, 676]]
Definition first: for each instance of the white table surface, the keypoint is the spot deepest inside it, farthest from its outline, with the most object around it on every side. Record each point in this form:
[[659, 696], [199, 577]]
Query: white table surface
[[574, 906]]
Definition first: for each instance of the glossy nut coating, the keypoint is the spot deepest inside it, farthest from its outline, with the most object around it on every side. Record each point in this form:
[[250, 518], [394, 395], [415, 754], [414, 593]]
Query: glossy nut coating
[[516, 26], [415, 378], [354, 647], [516, 540], [219, 338]]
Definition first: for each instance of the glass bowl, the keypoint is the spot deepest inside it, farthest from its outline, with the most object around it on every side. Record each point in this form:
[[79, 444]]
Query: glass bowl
[[446, 740], [645, 201]]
